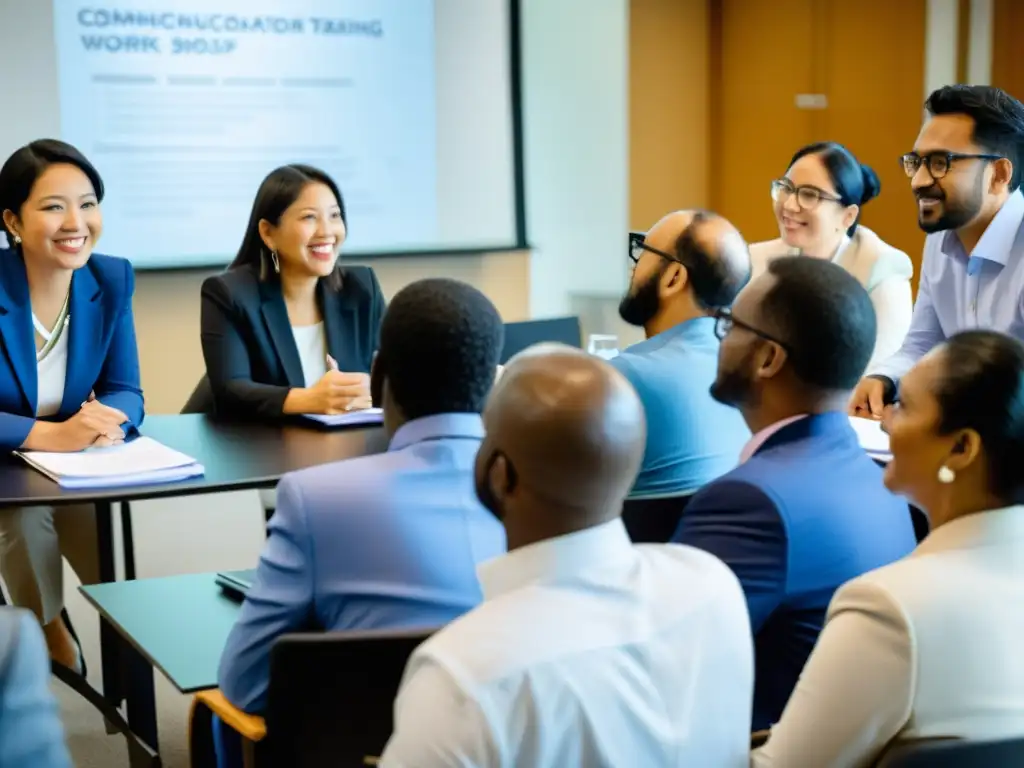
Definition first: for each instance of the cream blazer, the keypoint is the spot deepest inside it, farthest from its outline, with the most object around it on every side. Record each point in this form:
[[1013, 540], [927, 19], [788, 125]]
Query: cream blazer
[[883, 270], [928, 646]]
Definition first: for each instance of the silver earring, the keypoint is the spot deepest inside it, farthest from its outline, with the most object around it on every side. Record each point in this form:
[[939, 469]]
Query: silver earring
[[946, 475], [277, 264], [17, 240]]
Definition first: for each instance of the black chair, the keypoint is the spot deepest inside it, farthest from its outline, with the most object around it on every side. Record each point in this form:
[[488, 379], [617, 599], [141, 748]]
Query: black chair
[[331, 697], [954, 753], [201, 401], [653, 521], [519, 336]]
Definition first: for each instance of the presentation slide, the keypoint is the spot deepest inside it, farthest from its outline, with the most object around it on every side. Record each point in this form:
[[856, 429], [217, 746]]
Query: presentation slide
[[185, 106]]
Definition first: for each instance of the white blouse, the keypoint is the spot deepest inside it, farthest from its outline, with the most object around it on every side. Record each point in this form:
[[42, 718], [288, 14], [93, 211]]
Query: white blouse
[[311, 343], [51, 369]]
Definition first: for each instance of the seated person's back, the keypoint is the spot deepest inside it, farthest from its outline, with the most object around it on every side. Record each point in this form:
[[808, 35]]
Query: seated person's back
[[688, 265], [390, 540], [806, 510], [585, 651]]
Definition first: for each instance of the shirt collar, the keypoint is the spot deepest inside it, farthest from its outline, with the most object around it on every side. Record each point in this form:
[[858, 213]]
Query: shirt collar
[[761, 437], [558, 560], [438, 426], [997, 240], [979, 529], [695, 329]]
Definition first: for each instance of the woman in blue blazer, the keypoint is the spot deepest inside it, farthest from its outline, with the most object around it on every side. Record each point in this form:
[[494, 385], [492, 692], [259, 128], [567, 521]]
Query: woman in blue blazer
[[69, 365], [287, 330]]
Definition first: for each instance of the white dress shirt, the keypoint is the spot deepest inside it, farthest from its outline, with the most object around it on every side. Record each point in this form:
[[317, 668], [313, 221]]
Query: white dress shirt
[[311, 344], [928, 646], [51, 371], [587, 651]]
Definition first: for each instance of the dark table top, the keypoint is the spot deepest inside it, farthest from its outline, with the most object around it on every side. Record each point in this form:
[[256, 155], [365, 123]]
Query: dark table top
[[235, 455], [179, 623]]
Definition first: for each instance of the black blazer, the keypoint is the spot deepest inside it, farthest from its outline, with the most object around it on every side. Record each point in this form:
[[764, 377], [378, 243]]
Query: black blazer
[[251, 357]]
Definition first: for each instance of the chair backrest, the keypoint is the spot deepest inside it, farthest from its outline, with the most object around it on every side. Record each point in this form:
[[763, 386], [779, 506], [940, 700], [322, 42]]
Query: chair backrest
[[331, 696], [653, 521], [519, 336], [954, 753], [201, 399]]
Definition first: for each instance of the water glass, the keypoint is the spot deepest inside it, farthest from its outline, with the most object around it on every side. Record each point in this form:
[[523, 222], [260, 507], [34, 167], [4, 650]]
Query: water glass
[[603, 345]]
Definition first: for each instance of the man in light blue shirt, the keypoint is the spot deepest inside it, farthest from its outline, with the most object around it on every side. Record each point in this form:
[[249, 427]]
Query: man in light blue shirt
[[689, 264], [391, 540], [965, 171]]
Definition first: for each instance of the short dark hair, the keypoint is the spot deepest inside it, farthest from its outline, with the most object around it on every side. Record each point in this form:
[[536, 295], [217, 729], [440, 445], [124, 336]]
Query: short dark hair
[[982, 388], [716, 274], [440, 343], [855, 183], [998, 119], [277, 192], [825, 317], [22, 169]]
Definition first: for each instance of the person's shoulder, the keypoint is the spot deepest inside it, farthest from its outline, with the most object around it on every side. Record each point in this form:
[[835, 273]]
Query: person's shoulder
[[112, 272], [239, 284], [886, 261], [359, 283]]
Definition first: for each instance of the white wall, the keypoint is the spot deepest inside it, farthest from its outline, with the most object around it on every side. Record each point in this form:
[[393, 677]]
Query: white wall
[[576, 112]]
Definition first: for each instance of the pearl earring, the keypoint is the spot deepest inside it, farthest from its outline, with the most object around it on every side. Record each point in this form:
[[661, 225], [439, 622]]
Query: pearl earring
[[277, 264], [946, 475], [17, 240]]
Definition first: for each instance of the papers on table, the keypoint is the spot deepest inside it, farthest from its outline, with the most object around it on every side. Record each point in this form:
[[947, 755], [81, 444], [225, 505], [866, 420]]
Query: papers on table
[[139, 462], [872, 438], [364, 418]]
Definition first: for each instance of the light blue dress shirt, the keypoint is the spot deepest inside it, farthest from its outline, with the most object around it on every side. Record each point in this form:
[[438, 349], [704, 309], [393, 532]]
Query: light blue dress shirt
[[691, 438], [960, 291], [377, 542]]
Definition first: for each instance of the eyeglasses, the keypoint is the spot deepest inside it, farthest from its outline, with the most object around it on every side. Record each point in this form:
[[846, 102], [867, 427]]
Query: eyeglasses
[[725, 322], [938, 163], [807, 197], [637, 246]]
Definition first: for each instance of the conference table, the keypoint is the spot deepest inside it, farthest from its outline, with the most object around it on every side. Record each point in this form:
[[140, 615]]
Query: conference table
[[235, 456]]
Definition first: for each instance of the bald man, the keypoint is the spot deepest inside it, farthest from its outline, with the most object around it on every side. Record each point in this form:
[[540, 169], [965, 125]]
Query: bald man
[[688, 265], [587, 650]]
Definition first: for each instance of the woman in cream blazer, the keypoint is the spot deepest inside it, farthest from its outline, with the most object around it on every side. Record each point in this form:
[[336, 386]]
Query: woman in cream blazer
[[929, 646], [817, 207]]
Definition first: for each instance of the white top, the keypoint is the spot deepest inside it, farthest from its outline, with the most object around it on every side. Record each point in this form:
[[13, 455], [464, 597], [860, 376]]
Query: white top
[[928, 646], [311, 343], [587, 651], [51, 371]]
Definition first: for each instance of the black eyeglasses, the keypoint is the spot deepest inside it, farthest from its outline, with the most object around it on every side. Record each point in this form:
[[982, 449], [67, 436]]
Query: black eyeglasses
[[938, 163], [807, 197], [725, 322], [637, 246]]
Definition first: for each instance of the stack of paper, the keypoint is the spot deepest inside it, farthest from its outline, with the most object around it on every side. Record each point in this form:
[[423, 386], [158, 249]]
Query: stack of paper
[[139, 462], [364, 418], [872, 438]]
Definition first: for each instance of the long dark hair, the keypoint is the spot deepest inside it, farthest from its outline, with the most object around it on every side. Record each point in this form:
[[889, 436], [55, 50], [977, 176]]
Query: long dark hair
[[855, 182], [19, 174], [277, 192]]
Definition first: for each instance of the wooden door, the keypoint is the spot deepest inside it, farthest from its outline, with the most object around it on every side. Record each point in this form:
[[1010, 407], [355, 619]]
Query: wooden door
[[863, 64]]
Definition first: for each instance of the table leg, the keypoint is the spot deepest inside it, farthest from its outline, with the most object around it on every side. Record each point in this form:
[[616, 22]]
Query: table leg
[[137, 679], [110, 642]]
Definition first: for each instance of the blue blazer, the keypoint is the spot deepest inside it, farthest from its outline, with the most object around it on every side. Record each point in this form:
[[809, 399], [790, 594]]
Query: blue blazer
[[250, 353], [377, 542], [805, 514], [103, 357]]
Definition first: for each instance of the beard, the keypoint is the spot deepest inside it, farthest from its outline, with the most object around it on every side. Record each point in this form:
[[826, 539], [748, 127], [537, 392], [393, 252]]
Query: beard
[[640, 305], [735, 387], [956, 213]]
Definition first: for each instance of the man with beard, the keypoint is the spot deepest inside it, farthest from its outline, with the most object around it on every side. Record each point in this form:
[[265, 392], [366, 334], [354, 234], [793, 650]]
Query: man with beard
[[965, 171], [688, 265], [806, 510], [587, 650]]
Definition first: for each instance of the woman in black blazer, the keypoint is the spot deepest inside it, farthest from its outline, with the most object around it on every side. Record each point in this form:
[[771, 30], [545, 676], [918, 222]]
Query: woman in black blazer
[[286, 329]]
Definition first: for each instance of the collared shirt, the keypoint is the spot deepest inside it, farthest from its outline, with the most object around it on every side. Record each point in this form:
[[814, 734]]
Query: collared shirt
[[376, 542], [960, 291], [587, 651], [762, 436], [691, 438]]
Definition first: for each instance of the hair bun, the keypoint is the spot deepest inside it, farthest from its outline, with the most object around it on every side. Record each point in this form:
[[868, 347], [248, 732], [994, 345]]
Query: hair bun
[[872, 186]]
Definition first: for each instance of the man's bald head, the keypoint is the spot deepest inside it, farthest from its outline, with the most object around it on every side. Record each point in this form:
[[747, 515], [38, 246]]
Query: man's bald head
[[691, 257], [565, 438]]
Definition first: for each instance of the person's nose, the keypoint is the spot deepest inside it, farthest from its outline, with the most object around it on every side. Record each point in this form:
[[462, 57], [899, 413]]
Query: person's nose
[[791, 205], [72, 220], [921, 179]]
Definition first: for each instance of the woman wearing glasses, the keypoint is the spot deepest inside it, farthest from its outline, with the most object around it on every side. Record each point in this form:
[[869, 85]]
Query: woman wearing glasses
[[817, 206]]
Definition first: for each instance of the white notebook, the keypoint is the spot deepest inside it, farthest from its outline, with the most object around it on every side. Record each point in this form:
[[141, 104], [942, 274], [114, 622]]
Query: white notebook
[[872, 438], [139, 462], [364, 418]]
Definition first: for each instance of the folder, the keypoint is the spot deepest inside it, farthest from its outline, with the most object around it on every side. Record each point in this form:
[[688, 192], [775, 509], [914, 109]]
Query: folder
[[363, 418], [872, 438], [141, 461]]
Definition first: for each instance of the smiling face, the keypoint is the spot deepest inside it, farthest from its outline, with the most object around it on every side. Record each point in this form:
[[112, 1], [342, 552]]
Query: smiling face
[[815, 227], [60, 222], [309, 236]]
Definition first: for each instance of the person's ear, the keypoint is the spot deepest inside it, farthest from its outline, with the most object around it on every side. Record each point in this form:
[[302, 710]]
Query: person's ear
[[849, 216], [675, 279], [1002, 173], [266, 230], [11, 222], [770, 360], [966, 449]]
